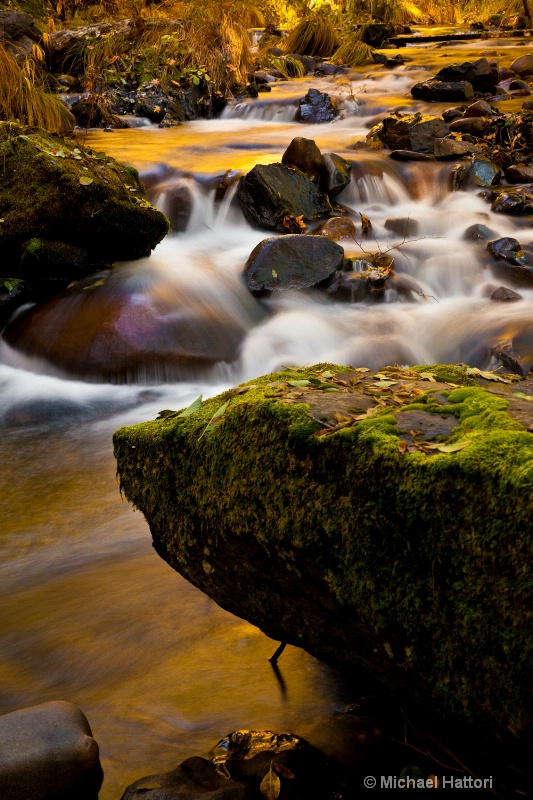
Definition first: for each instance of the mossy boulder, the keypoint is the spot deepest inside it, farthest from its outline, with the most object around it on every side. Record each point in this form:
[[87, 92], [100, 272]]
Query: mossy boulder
[[58, 191], [380, 521]]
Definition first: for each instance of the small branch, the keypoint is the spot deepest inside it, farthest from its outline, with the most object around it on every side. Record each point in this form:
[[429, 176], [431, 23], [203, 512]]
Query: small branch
[[274, 659]]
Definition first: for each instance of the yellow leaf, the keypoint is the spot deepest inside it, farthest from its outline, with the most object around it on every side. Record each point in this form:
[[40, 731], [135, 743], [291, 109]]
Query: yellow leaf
[[270, 785], [428, 376], [274, 273]]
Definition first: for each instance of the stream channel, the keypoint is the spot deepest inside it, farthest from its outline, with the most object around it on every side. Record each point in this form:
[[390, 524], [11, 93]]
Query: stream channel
[[88, 613]]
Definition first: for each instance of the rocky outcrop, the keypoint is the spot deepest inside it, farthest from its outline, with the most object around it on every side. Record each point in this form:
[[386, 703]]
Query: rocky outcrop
[[47, 752], [340, 511]]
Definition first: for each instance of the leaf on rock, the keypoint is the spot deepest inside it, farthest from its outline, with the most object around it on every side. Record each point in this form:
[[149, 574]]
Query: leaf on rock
[[448, 448], [428, 376], [283, 770], [362, 369], [270, 785], [523, 396], [489, 376], [218, 413], [402, 446], [384, 384], [299, 383], [86, 181], [191, 409]]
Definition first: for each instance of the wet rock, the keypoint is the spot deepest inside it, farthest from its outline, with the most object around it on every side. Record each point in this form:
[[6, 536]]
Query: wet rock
[[410, 155], [305, 155], [510, 359], [264, 87], [517, 202], [317, 107], [452, 114], [484, 171], [523, 66], [128, 324], [527, 105], [330, 69], [504, 295], [54, 190], [393, 63], [195, 779], [337, 228], [375, 33], [350, 287], [47, 752], [276, 51], [478, 73], [478, 232], [479, 109], [291, 262], [335, 175], [403, 226], [274, 196], [521, 276], [434, 91], [507, 249], [178, 207], [475, 126], [260, 76], [415, 132], [452, 148], [230, 177], [458, 176], [519, 173]]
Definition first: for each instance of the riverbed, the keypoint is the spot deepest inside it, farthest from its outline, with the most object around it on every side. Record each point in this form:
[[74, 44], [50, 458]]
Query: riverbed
[[88, 612]]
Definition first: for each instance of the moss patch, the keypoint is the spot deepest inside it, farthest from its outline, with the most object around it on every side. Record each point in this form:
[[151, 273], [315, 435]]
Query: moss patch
[[418, 558]]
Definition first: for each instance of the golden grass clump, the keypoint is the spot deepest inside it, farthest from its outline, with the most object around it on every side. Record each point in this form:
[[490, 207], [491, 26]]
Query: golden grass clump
[[314, 36], [353, 51], [288, 66], [23, 96]]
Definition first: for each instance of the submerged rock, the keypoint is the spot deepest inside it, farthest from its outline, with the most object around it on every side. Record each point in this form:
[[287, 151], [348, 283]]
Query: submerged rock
[[297, 507], [47, 752], [129, 324], [291, 262], [275, 196], [53, 190]]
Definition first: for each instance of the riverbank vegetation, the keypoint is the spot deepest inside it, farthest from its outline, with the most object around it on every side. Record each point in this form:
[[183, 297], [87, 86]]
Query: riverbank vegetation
[[175, 47]]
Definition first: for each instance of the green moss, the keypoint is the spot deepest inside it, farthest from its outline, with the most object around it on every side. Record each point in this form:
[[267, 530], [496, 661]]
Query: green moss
[[53, 189], [430, 551]]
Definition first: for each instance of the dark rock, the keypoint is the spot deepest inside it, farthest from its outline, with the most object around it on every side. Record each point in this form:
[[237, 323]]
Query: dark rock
[[477, 232], [475, 126], [262, 77], [479, 109], [43, 260], [178, 206], [337, 228], [507, 249], [484, 171], [410, 155], [452, 148], [330, 69], [305, 155], [510, 359], [335, 174], [53, 190], [519, 173], [272, 196], [504, 295], [276, 51], [519, 86], [434, 91], [47, 752], [504, 73], [308, 61], [527, 105], [392, 63], [374, 33], [378, 58], [521, 22], [350, 287], [194, 779], [458, 176], [415, 132], [16, 25], [521, 276], [479, 74], [452, 114], [523, 66], [517, 202], [119, 325], [230, 177], [291, 262], [477, 26], [317, 107], [403, 226], [264, 87]]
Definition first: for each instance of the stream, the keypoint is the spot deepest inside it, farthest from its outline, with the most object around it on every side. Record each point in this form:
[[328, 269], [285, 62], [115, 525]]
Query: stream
[[88, 613]]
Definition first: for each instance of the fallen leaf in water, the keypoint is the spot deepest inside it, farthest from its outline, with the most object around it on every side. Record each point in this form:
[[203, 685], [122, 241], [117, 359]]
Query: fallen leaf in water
[[270, 785]]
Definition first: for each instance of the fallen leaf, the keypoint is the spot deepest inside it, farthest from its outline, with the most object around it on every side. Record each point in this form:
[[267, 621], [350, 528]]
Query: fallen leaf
[[274, 273], [489, 376], [283, 770], [523, 396], [299, 383], [362, 369], [218, 413], [85, 181], [428, 376], [366, 225], [270, 785], [384, 384], [402, 446], [448, 448]]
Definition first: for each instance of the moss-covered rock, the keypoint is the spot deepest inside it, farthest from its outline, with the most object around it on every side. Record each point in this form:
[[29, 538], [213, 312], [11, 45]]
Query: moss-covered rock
[[380, 521], [55, 190]]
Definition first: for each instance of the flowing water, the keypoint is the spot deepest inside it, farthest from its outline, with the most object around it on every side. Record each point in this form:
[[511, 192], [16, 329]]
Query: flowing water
[[87, 612]]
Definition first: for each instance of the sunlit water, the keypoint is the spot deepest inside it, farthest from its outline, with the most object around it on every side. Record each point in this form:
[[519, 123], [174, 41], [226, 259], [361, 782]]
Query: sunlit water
[[87, 612]]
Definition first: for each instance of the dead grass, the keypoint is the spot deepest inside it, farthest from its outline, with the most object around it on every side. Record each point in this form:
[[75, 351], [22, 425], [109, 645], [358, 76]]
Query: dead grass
[[314, 36]]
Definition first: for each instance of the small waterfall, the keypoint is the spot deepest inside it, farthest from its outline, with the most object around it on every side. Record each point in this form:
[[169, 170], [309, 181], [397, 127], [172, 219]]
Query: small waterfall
[[280, 111]]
